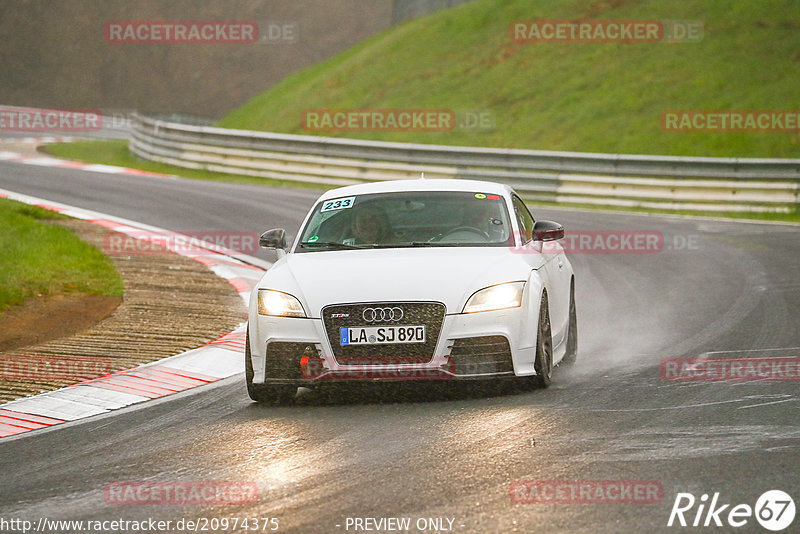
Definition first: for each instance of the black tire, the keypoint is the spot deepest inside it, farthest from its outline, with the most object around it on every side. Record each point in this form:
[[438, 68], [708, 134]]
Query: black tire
[[264, 393], [544, 347], [572, 334]]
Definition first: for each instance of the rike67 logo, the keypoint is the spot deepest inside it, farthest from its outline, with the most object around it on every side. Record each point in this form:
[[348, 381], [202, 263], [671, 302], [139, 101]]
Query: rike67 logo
[[774, 510]]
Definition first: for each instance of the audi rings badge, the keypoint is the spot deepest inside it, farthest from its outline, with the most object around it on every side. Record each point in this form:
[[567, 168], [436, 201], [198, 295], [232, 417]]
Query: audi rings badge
[[377, 315]]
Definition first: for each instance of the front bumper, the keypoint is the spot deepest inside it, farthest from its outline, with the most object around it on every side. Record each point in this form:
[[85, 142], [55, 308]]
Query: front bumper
[[486, 345]]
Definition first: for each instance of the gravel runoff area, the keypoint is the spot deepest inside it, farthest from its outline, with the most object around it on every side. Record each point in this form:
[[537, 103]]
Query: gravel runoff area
[[171, 304]]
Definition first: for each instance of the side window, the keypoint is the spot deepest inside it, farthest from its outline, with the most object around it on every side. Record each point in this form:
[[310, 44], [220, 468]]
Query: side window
[[524, 219]]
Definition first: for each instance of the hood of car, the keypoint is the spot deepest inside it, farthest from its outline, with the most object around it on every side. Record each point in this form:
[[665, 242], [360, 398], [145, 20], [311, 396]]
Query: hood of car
[[447, 274]]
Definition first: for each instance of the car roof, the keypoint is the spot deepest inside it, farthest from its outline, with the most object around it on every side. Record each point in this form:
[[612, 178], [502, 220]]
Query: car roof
[[393, 186]]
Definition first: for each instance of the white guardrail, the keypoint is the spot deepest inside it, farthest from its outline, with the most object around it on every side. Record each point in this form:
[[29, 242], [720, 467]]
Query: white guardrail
[[708, 184]]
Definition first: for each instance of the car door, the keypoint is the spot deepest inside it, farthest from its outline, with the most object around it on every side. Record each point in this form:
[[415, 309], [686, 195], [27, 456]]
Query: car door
[[555, 270]]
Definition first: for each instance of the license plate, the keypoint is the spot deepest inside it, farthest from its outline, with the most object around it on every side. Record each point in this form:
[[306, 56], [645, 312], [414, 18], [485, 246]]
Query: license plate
[[382, 335]]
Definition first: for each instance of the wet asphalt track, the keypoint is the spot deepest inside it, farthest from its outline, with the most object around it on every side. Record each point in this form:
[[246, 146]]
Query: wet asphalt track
[[452, 454]]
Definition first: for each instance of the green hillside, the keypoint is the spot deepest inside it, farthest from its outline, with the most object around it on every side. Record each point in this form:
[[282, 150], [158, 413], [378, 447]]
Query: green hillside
[[591, 97]]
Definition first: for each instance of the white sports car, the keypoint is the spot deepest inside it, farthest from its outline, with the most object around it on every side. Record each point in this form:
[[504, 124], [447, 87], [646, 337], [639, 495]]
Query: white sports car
[[412, 280]]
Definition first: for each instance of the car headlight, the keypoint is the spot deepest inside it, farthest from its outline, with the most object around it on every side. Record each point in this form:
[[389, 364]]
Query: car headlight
[[271, 302], [497, 297]]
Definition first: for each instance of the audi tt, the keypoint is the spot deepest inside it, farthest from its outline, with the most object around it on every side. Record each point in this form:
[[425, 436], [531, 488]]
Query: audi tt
[[412, 280]]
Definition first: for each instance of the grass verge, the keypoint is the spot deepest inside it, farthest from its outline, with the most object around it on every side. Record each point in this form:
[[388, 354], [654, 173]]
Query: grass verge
[[115, 152], [46, 259]]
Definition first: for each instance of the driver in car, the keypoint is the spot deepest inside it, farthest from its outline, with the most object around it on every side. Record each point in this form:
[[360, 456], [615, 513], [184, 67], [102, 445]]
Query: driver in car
[[370, 225], [481, 216]]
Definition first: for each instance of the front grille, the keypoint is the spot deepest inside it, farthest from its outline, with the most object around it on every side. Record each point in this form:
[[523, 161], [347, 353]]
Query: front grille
[[481, 355], [283, 359], [430, 314]]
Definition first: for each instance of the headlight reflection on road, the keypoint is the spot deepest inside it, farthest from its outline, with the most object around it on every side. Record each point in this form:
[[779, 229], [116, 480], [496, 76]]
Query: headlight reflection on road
[[270, 452], [500, 423]]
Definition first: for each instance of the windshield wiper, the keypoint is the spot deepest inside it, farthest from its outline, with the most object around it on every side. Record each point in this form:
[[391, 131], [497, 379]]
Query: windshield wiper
[[441, 244], [331, 244], [411, 244], [407, 244], [403, 244]]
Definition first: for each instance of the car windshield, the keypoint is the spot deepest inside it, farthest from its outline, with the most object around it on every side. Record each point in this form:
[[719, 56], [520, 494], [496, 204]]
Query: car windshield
[[408, 219]]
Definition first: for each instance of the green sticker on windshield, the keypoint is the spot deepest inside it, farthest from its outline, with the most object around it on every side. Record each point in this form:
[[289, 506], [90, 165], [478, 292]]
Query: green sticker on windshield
[[480, 195], [313, 239]]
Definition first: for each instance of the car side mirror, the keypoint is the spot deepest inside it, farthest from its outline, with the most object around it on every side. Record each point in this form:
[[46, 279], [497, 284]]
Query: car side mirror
[[275, 238], [547, 231]]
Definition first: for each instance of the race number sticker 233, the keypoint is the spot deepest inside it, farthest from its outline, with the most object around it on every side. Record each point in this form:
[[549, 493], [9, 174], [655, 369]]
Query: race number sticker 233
[[338, 204]]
